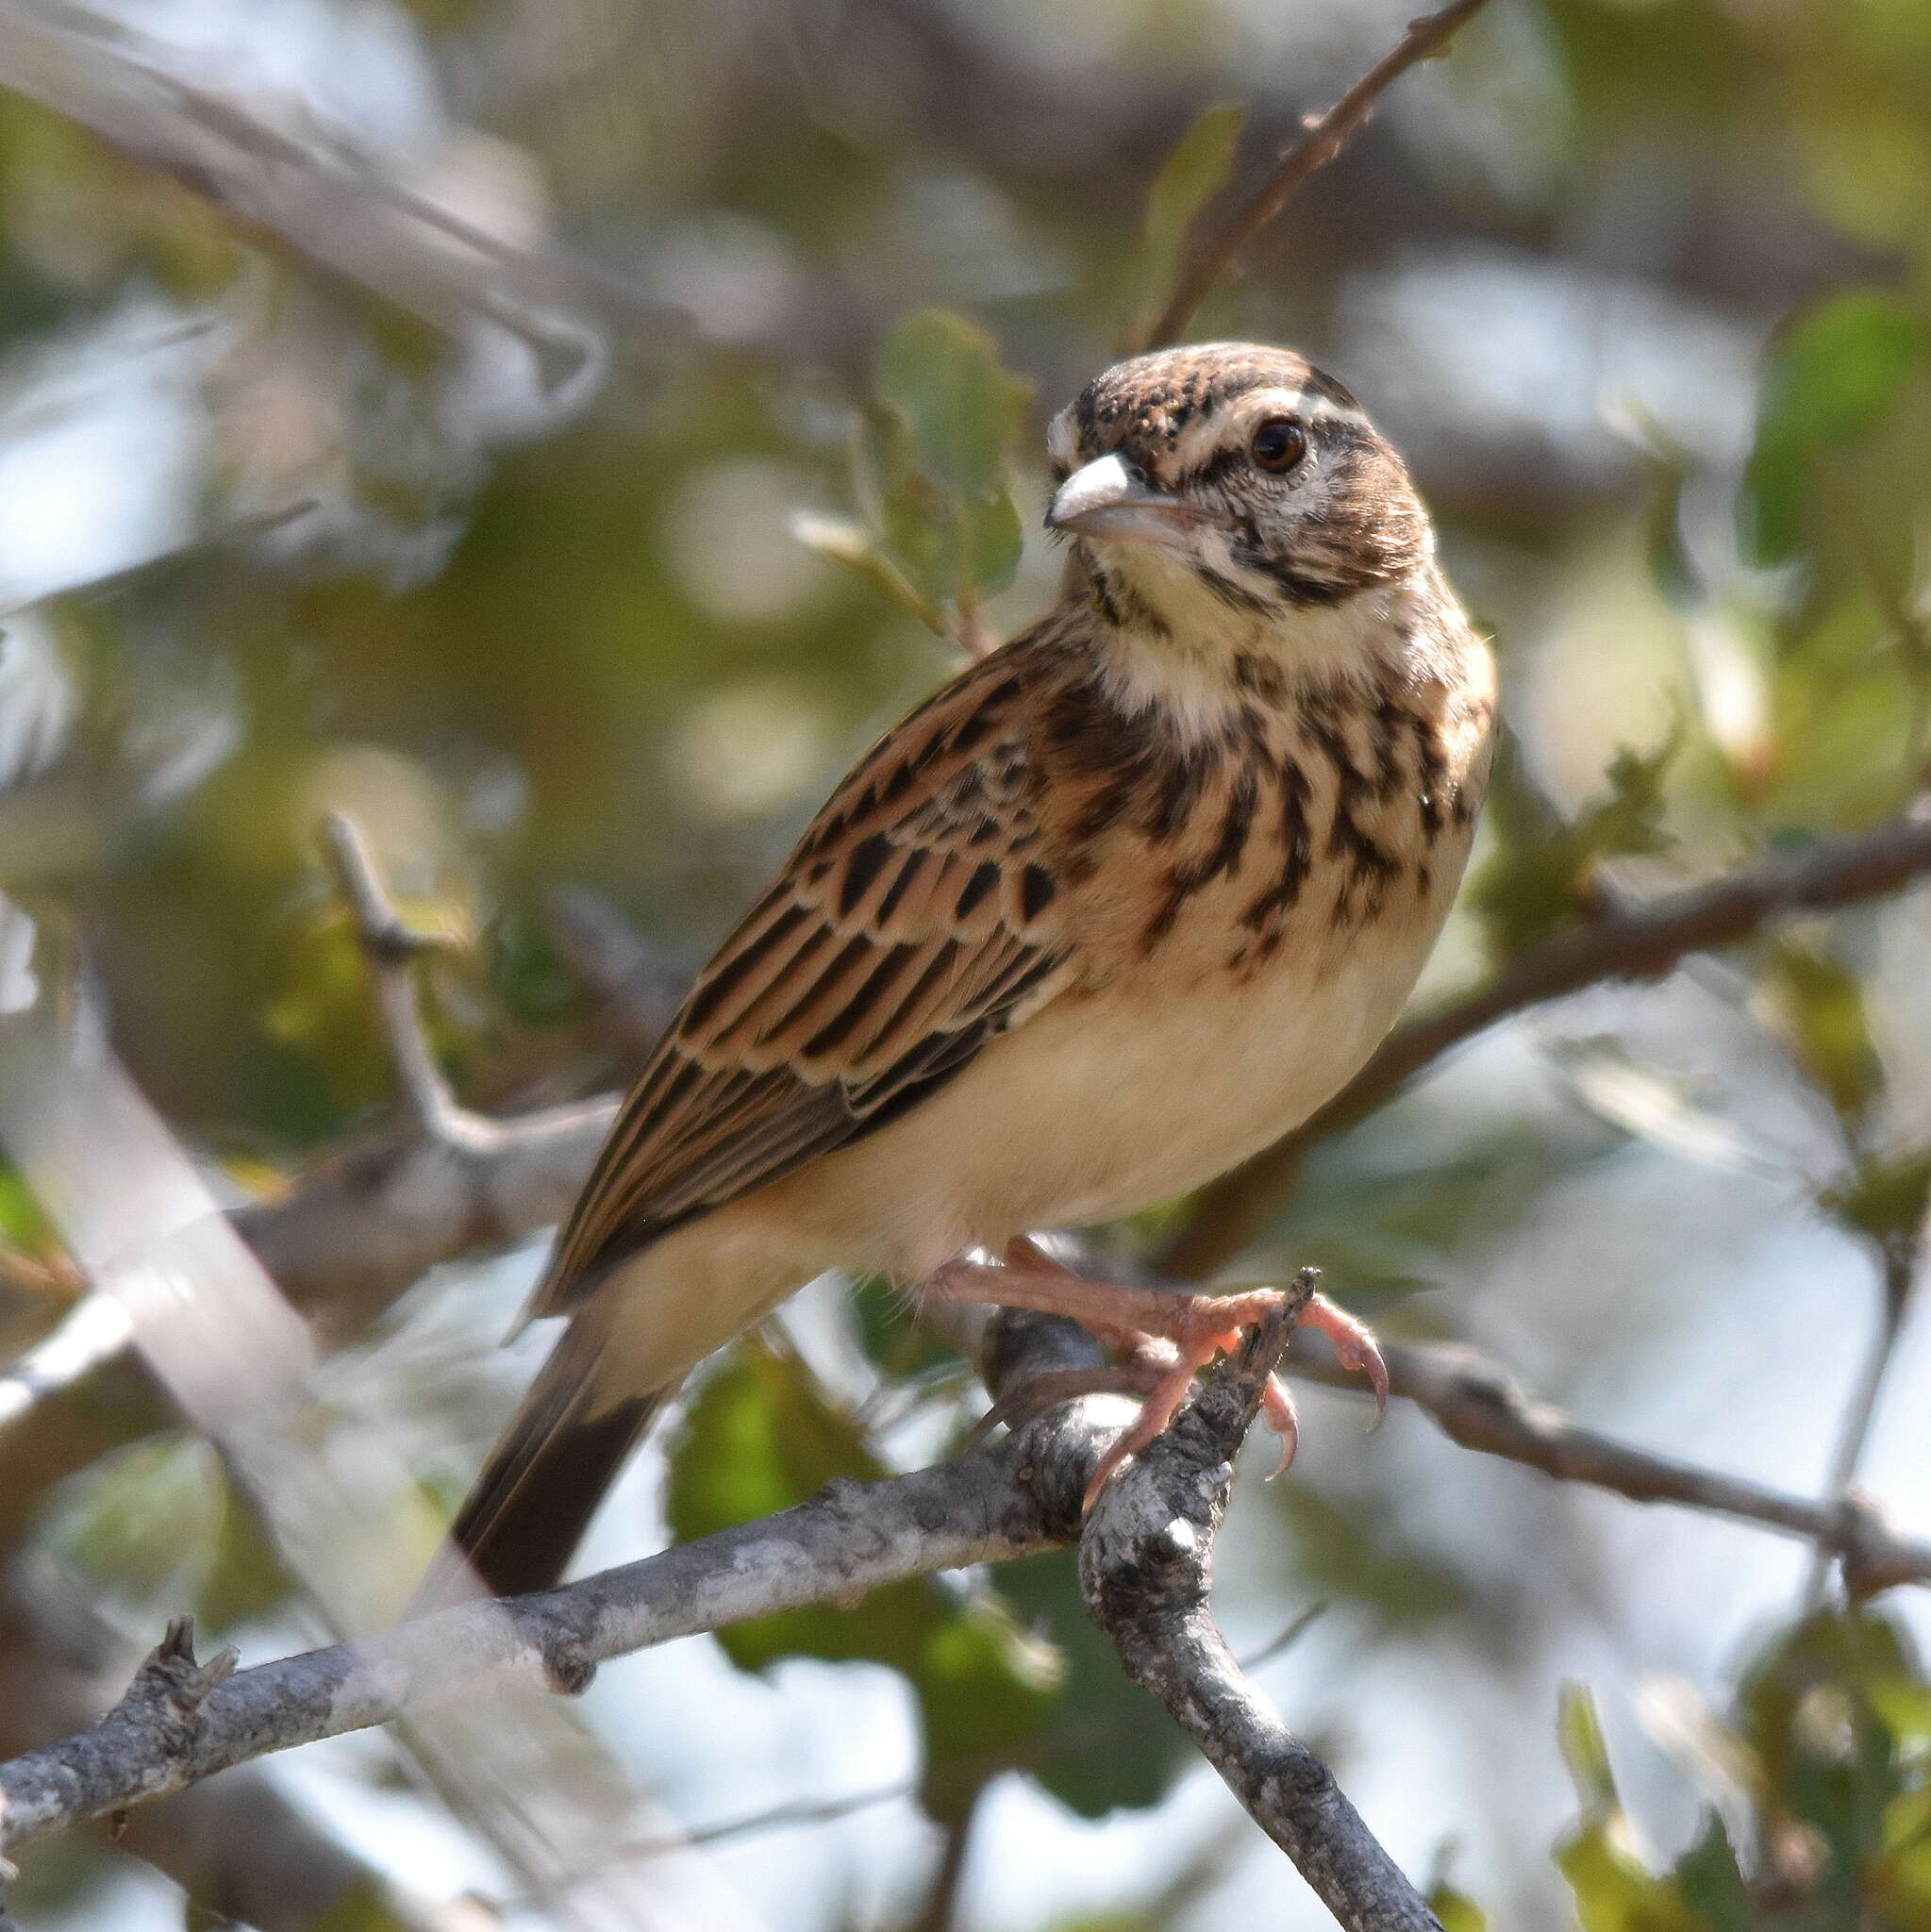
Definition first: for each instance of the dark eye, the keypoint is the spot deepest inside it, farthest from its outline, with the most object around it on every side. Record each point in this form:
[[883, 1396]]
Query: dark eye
[[1278, 444]]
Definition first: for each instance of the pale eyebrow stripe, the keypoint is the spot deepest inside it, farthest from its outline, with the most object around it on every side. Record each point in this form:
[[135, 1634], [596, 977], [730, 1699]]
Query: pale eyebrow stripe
[[1062, 438]]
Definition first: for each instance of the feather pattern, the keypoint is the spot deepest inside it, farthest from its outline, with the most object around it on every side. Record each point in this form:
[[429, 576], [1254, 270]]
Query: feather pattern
[[916, 920]]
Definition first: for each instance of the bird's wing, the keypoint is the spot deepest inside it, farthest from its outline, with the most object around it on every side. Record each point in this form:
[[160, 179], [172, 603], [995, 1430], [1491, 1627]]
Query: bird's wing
[[918, 918]]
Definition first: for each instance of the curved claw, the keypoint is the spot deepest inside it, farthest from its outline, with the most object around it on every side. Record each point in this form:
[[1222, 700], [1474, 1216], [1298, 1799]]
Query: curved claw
[[1278, 1407], [1354, 1343]]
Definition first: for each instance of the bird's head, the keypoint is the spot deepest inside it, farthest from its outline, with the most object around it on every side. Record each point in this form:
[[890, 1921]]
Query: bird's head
[[1229, 482]]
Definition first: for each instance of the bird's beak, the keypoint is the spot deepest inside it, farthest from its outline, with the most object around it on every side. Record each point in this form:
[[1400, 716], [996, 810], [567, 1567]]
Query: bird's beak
[[1107, 499]]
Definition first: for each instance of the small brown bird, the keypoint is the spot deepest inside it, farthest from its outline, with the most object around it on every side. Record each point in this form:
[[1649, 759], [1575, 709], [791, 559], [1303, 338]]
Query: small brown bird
[[1128, 899]]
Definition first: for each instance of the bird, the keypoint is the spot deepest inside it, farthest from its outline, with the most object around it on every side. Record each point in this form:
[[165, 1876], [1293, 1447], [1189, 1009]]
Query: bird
[[1125, 900]]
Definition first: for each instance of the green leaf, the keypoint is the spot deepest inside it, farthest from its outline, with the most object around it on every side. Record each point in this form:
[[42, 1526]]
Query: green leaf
[[1196, 171], [23, 1224], [1835, 377], [929, 470], [363, 1908], [1586, 1751], [1886, 1200], [1542, 872], [1614, 1892], [1711, 1882], [141, 1524], [761, 1436], [1108, 1745], [1817, 1005], [1456, 1910], [849, 542], [941, 376], [1829, 1709], [993, 542], [1405, 1584]]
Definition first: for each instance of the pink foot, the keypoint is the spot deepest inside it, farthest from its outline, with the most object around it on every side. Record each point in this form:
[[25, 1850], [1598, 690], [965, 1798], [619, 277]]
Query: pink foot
[[1167, 1339]]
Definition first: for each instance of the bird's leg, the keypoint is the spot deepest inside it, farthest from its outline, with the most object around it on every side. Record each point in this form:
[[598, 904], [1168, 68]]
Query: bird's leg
[[1165, 1338]]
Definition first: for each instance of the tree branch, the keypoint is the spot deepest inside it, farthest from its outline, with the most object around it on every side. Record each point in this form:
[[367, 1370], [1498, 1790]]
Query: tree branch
[[1207, 259], [1145, 1568], [181, 1720], [238, 1846], [1478, 1404], [1021, 1496], [271, 167], [995, 1503], [1638, 941]]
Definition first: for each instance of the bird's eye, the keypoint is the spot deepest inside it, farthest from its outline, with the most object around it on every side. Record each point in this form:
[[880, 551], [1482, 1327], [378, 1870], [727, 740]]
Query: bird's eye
[[1278, 444]]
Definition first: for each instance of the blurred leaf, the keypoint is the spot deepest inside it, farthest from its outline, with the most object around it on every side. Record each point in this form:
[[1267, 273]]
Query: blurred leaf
[[933, 471], [141, 1524], [900, 1347], [1541, 871], [849, 542], [1711, 1882], [1586, 1751], [1199, 167], [1109, 1746], [1456, 1910], [1834, 1709], [1886, 1200], [761, 1436], [361, 1909], [1817, 1005], [1380, 1230], [1614, 1892], [528, 970], [23, 1224], [1407, 1586], [1837, 373], [1671, 566], [941, 376], [156, 1526], [994, 541]]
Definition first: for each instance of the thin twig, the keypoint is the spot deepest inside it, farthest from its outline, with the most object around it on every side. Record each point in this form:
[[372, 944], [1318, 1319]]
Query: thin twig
[[391, 947], [1146, 1568], [95, 1331], [1206, 260], [1898, 1275], [1480, 1406], [1279, 1644], [940, 1912], [1642, 941]]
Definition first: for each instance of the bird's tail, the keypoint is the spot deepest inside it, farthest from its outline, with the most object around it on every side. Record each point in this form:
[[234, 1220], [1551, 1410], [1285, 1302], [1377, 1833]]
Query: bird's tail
[[520, 1524]]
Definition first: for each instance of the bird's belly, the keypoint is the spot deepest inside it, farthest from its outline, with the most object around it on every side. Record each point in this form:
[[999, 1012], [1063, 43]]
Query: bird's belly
[[1166, 1094], [1111, 1101]]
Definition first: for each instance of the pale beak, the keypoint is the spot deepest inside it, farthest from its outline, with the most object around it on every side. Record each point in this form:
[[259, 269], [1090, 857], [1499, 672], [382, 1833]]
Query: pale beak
[[1107, 499]]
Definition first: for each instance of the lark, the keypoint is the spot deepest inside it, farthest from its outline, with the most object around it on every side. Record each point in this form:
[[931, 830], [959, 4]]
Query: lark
[[1126, 900]]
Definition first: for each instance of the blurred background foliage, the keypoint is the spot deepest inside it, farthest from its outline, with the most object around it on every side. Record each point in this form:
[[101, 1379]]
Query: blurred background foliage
[[577, 613]]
